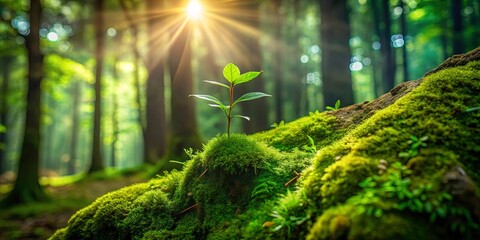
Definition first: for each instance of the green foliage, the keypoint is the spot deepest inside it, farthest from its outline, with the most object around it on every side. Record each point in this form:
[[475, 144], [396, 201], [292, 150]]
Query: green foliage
[[415, 144], [275, 125], [336, 107], [232, 74], [264, 191], [286, 215], [312, 148]]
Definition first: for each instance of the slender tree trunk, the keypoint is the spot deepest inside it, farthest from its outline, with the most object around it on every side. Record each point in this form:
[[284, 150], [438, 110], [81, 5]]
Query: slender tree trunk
[[27, 187], [97, 161], [136, 73], [388, 58], [71, 168], [335, 37], [184, 122], [297, 86], [114, 114], [377, 85], [404, 30], [257, 109], [156, 126], [456, 13], [6, 68], [278, 60]]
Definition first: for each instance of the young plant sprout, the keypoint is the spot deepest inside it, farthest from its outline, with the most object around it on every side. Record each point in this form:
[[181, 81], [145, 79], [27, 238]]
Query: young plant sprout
[[232, 74]]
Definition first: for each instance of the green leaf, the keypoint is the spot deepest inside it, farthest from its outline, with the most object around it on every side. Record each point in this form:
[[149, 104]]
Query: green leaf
[[2, 129], [337, 104], [207, 98], [240, 116], [223, 107], [217, 83], [472, 109], [231, 72], [250, 96], [246, 77]]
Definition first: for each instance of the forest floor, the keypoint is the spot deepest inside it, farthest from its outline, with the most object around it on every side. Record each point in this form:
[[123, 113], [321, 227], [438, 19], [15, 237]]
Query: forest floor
[[41, 220]]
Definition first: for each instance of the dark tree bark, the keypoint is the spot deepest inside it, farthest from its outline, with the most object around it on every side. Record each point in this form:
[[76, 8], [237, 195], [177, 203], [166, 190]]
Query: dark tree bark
[[388, 58], [335, 37], [76, 91], [377, 64], [156, 126], [278, 60], [456, 12], [184, 122], [404, 30], [27, 187], [97, 160], [6, 68], [297, 86]]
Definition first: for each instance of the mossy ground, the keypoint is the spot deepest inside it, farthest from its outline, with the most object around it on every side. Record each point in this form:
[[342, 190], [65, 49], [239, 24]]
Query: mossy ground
[[408, 170]]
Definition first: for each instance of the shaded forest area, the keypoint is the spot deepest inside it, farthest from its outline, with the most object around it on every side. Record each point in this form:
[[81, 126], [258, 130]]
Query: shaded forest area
[[91, 85]]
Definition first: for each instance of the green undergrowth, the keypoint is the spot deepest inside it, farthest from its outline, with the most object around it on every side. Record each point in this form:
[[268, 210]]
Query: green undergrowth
[[410, 171]]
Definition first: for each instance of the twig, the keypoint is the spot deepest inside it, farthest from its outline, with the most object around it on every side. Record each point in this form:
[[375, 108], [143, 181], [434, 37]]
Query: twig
[[188, 209], [297, 175], [203, 173]]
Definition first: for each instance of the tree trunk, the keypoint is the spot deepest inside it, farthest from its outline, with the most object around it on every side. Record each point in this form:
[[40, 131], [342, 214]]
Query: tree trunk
[[388, 59], [115, 131], [97, 161], [278, 60], [403, 27], [297, 86], [27, 187], [6, 68], [71, 168], [376, 64], [335, 37], [456, 12], [136, 73], [156, 126], [257, 110], [184, 122]]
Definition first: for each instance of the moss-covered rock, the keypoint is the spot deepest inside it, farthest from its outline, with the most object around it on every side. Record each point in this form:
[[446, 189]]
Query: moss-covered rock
[[404, 166]]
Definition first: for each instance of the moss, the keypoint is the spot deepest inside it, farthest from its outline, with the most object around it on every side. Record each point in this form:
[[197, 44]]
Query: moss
[[434, 109], [319, 126], [343, 222], [236, 154]]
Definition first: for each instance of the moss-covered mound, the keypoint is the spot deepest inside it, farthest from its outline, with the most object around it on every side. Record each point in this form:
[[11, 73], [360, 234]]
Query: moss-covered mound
[[404, 166]]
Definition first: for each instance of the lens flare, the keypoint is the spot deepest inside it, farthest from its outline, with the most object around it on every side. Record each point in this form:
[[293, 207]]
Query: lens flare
[[194, 10]]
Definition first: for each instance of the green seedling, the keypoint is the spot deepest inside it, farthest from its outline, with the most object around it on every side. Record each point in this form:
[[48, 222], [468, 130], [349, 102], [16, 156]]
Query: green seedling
[[415, 144], [312, 148], [232, 74], [337, 106]]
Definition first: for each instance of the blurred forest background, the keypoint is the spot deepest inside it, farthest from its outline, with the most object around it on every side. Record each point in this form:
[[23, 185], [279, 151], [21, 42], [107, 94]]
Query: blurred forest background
[[89, 85]]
